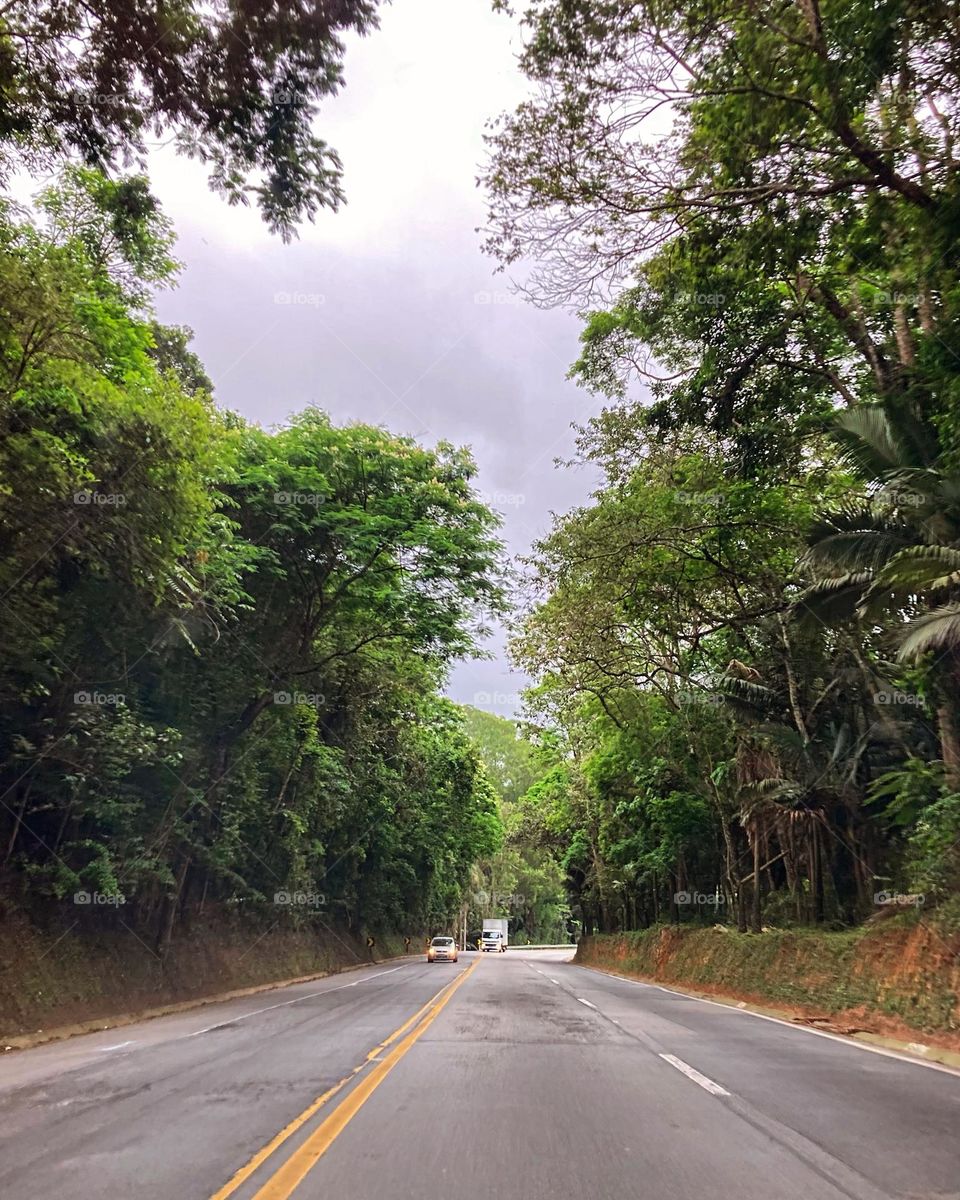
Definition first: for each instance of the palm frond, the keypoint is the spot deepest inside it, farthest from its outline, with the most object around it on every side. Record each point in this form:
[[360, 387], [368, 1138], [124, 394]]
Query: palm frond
[[911, 487], [870, 445], [833, 599], [745, 691], [921, 568], [860, 538], [854, 518], [938, 630]]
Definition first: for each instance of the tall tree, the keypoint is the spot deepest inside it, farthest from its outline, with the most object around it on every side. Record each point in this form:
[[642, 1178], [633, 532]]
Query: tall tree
[[238, 85]]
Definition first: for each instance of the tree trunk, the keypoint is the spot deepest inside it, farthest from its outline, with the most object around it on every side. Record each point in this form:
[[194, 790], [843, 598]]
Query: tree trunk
[[17, 822], [756, 920], [816, 881], [949, 730], [171, 908]]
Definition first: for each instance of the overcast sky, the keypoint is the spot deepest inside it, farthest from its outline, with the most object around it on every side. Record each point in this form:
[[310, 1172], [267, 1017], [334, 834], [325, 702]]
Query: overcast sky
[[394, 316]]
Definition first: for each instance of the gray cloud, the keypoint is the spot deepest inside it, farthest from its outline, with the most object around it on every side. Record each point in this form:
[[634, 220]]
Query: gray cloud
[[387, 312]]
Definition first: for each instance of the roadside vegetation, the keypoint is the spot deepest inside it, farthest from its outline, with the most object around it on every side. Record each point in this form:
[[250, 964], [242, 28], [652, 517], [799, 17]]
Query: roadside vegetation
[[747, 645], [523, 879], [224, 646]]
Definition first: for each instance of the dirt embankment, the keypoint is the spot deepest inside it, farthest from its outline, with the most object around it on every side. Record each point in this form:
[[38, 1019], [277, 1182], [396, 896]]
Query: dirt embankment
[[896, 980], [53, 979]]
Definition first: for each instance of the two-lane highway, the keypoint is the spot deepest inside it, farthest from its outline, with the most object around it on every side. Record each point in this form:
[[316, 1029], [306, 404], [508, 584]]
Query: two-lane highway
[[170, 1108], [516, 1075]]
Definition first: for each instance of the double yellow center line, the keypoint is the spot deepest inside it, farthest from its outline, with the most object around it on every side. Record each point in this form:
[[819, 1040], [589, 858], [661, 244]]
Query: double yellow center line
[[293, 1170]]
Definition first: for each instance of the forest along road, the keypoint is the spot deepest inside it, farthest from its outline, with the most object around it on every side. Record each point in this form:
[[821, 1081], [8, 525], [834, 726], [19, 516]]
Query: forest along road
[[515, 1075]]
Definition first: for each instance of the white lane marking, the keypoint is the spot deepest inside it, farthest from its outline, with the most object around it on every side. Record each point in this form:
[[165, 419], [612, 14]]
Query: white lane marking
[[707, 1084], [587, 1003], [834, 1037], [118, 1046], [297, 1000], [556, 981]]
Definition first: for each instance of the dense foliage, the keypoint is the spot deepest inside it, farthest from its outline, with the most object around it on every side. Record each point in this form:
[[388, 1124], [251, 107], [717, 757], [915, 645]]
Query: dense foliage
[[523, 880], [223, 645], [750, 639], [237, 85]]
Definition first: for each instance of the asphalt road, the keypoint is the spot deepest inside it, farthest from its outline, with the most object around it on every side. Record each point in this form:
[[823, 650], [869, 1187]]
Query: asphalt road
[[525, 1077]]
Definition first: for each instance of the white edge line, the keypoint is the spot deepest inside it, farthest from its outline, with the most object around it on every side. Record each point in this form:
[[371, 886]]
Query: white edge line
[[118, 1046], [228, 1020], [691, 1073], [898, 1056]]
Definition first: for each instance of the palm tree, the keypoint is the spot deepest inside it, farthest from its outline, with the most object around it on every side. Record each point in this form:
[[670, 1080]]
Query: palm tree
[[799, 794], [896, 556]]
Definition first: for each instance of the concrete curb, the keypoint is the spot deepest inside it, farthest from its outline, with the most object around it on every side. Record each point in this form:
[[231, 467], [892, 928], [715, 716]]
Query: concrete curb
[[26, 1041]]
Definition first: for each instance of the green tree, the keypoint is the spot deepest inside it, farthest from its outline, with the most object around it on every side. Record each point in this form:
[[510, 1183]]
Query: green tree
[[238, 85], [224, 646]]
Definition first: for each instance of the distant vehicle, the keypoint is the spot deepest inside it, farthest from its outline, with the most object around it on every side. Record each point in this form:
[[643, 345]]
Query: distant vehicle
[[442, 949], [495, 934]]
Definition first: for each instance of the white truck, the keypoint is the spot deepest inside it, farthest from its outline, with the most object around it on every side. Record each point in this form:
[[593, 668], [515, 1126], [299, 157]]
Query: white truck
[[495, 934]]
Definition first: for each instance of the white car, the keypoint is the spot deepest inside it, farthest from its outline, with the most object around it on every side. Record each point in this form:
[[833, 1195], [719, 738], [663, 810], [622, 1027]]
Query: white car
[[492, 939], [442, 949]]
